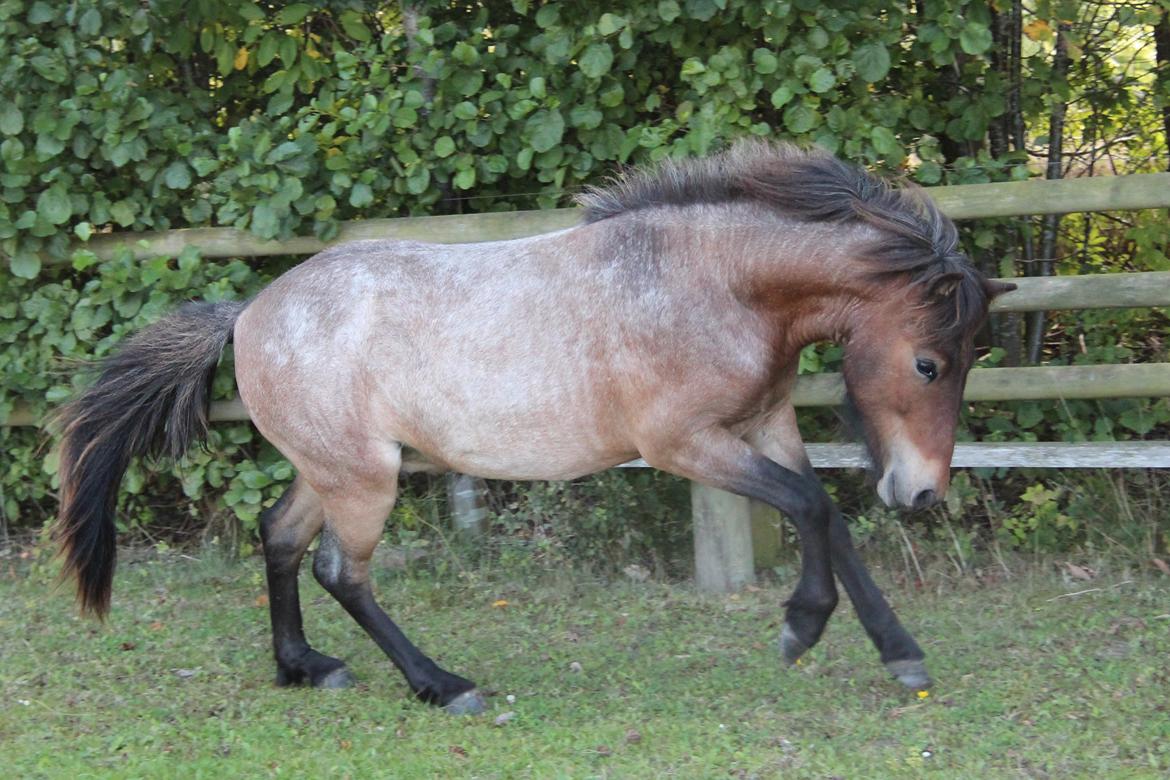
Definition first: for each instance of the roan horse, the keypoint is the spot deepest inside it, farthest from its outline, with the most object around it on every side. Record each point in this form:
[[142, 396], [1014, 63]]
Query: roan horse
[[667, 325]]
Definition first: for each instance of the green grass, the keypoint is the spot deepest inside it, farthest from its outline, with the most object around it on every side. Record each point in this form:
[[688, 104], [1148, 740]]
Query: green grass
[[179, 682]]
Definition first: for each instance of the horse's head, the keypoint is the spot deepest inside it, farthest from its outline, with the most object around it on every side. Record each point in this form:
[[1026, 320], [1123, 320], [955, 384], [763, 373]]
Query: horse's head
[[906, 363]]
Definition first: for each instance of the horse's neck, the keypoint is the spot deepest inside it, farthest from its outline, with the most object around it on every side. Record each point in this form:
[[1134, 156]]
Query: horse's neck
[[806, 279]]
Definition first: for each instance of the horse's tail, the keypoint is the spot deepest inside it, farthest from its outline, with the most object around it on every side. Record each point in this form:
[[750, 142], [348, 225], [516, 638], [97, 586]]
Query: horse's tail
[[150, 398]]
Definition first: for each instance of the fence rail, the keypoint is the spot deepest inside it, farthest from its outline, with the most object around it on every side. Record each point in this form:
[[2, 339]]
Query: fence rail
[[961, 201]]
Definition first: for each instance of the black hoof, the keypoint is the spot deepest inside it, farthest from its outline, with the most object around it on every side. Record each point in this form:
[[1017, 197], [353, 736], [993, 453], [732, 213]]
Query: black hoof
[[910, 673], [315, 669], [335, 680], [467, 703], [791, 648]]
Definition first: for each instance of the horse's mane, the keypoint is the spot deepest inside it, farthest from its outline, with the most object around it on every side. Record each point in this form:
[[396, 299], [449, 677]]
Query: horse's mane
[[920, 244]]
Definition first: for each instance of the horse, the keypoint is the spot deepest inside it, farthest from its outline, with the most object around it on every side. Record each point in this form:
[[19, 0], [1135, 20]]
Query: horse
[[666, 325]]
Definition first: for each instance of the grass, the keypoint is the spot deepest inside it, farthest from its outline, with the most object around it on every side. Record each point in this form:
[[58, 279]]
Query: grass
[[1031, 682]]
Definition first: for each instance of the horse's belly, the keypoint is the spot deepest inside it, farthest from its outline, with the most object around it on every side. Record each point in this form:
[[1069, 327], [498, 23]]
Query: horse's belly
[[504, 427], [531, 465], [503, 444]]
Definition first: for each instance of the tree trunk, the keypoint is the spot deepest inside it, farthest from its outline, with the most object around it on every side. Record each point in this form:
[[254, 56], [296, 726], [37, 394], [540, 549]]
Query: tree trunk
[[1055, 170], [1162, 54], [1007, 135]]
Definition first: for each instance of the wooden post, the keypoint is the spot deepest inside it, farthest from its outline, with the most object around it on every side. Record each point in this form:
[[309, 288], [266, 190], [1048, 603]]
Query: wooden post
[[465, 498], [723, 540], [767, 526]]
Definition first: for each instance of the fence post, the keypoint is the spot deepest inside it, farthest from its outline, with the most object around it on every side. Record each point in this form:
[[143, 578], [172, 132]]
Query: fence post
[[767, 527], [467, 503], [723, 539]]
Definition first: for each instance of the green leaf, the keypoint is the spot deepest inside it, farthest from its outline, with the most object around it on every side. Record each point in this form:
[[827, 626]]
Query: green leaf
[[975, 38], [204, 165], [929, 172], [355, 27], [39, 13], [465, 110], [608, 24], [292, 14], [250, 11], [11, 119], [267, 49], [51, 67], [1138, 420], [1029, 414], [90, 23], [668, 10], [464, 53], [885, 142], [585, 117], [800, 118], [782, 95], [872, 61], [405, 116], [692, 66], [123, 212], [418, 181], [548, 15], [255, 479], [444, 146], [25, 265], [265, 222], [83, 230], [703, 10], [53, 205], [361, 195], [466, 81], [465, 179], [177, 176], [765, 61], [543, 130], [822, 80], [596, 60]]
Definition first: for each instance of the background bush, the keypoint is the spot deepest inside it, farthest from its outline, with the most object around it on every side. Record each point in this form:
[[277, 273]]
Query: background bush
[[285, 119]]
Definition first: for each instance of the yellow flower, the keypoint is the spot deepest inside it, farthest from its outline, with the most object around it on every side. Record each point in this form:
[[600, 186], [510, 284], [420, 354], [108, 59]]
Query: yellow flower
[[500, 603], [923, 694]]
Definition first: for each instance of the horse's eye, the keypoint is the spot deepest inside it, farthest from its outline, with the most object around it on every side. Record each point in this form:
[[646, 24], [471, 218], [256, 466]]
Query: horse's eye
[[927, 368]]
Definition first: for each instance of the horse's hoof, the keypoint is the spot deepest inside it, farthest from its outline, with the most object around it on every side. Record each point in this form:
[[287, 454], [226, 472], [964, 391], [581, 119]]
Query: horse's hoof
[[791, 648], [467, 703], [911, 673], [335, 680]]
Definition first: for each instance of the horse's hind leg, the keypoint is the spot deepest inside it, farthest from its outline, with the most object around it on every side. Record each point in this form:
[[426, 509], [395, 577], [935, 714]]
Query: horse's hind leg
[[353, 525], [287, 528]]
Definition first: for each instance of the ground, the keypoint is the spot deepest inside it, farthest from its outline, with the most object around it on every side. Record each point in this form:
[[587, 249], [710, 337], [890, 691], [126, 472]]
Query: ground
[[1035, 678]]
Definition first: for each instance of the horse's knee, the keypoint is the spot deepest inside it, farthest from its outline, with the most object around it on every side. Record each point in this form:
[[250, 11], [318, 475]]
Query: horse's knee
[[809, 503]]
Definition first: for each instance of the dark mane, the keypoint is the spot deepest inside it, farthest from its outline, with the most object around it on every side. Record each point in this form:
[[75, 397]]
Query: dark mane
[[920, 244]]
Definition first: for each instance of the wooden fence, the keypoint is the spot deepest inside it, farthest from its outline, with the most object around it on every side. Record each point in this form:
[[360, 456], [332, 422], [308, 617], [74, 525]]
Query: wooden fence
[[724, 522]]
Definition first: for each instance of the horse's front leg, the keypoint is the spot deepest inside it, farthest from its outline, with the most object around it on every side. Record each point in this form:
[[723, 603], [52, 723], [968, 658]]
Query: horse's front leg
[[780, 440], [718, 458]]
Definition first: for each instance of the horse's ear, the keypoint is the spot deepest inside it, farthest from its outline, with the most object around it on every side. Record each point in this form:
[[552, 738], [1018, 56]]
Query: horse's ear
[[996, 288], [945, 284]]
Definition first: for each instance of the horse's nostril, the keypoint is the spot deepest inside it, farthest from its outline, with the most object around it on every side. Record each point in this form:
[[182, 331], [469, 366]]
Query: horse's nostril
[[924, 499]]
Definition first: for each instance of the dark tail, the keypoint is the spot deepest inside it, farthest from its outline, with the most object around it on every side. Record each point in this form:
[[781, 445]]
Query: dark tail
[[151, 398]]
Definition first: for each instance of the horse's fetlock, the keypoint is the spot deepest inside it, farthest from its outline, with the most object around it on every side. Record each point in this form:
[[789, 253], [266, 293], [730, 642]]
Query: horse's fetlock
[[821, 603]]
